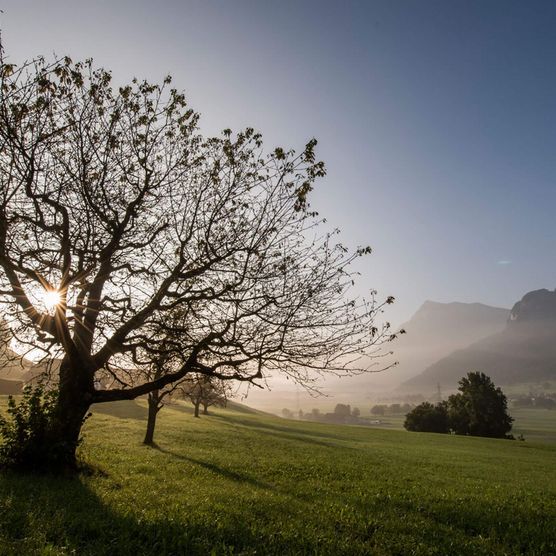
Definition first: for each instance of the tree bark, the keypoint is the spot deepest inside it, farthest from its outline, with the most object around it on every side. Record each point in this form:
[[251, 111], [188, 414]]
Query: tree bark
[[197, 404], [74, 400], [151, 420], [205, 409]]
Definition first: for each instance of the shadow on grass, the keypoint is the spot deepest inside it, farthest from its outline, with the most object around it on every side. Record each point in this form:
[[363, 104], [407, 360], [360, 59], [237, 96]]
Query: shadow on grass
[[496, 527], [291, 433], [131, 409], [128, 409], [212, 467], [47, 515]]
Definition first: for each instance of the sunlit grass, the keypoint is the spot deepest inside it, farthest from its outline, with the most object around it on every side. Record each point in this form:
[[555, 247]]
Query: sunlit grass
[[241, 483]]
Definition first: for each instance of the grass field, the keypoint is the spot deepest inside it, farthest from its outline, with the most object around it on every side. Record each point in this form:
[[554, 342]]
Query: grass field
[[535, 425], [240, 482]]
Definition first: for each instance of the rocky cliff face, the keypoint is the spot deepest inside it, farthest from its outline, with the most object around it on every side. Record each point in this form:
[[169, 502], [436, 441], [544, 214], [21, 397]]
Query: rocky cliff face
[[536, 306]]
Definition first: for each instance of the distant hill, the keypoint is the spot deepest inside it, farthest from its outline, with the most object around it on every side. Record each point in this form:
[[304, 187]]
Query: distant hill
[[10, 387], [434, 331], [524, 351], [12, 366]]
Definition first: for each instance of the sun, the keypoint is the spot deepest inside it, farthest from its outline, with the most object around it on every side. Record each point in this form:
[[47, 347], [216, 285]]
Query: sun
[[51, 299]]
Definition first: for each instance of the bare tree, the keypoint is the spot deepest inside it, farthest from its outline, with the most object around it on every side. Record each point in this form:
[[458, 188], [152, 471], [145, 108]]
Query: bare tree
[[115, 213], [205, 391], [156, 399]]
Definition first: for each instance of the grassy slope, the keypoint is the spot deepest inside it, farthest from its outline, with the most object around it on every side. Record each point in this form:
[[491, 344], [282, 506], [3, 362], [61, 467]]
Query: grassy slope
[[248, 483]]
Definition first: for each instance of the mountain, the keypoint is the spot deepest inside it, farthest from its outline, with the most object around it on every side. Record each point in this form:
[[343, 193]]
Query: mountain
[[524, 351], [434, 331]]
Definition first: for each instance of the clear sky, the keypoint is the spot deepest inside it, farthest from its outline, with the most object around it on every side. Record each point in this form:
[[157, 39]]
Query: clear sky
[[437, 119]]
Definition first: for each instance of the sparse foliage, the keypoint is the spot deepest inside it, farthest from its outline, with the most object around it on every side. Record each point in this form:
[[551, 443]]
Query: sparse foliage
[[114, 204], [204, 391]]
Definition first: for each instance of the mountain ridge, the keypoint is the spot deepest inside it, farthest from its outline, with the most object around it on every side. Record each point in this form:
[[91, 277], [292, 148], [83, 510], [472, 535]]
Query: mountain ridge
[[523, 351]]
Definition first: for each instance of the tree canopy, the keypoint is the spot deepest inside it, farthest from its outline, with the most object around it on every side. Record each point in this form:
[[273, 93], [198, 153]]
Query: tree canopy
[[126, 236], [479, 409]]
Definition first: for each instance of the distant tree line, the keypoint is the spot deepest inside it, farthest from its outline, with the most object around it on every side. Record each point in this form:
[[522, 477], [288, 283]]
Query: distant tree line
[[479, 409], [343, 414]]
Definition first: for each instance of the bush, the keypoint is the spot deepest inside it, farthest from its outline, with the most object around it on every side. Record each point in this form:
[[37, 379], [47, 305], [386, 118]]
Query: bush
[[427, 417], [25, 430]]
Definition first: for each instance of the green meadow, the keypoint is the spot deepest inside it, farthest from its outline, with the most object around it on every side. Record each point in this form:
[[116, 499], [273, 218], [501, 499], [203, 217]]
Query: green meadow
[[242, 482], [535, 425]]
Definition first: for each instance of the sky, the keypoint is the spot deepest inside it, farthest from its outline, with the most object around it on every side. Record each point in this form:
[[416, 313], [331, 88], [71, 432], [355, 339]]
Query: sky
[[436, 119]]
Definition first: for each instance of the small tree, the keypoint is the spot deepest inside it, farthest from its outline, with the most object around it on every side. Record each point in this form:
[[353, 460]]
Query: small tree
[[378, 409], [315, 414], [204, 391], [427, 417], [342, 410], [156, 399], [480, 409]]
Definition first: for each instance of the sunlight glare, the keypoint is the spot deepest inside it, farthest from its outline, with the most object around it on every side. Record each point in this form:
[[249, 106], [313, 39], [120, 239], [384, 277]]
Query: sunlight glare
[[51, 299]]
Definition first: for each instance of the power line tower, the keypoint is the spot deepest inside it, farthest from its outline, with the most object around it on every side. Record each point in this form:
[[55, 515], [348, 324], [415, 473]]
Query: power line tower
[[438, 393]]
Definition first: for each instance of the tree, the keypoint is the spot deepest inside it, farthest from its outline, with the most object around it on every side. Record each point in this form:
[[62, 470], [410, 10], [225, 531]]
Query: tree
[[115, 213], [378, 409], [427, 417], [287, 413], [342, 410], [205, 391], [315, 414], [160, 365], [480, 409]]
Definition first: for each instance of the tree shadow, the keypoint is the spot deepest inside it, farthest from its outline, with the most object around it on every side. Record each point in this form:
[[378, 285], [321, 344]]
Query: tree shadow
[[127, 409], [213, 468], [131, 409], [43, 514], [304, 435]]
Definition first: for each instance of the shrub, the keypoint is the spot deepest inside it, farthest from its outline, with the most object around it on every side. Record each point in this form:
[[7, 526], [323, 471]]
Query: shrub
[[427, 417], [26, 428]]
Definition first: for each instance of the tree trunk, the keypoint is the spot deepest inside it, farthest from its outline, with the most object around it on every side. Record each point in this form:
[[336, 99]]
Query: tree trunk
[[205, 409], [197, 404], [151, 420], [74, 400]]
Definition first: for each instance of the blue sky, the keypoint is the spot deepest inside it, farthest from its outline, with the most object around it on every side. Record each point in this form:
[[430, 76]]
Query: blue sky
[[437, 119]]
